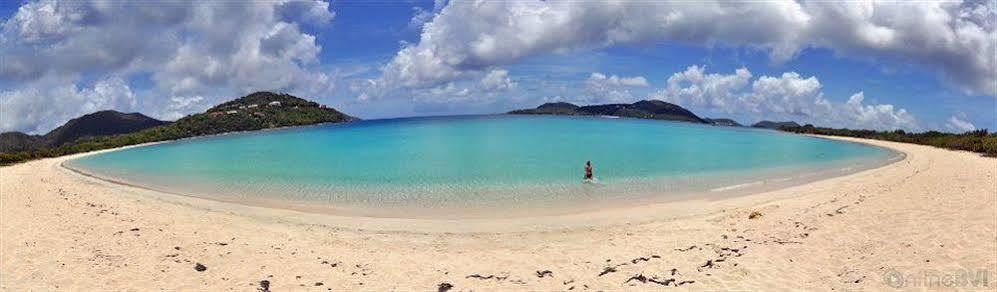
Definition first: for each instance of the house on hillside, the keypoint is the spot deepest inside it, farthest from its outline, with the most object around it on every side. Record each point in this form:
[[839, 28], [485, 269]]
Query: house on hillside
[[274, 103]]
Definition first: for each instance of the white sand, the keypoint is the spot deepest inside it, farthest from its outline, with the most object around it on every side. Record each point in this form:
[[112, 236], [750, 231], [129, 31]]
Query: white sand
[[930, 220]]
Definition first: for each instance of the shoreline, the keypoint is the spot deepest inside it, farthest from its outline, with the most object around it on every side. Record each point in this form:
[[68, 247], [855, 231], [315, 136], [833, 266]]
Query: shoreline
[[485, 218], [931, 213]]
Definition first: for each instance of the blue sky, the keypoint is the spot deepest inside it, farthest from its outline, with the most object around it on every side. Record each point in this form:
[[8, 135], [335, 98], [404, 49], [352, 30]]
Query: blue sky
[[916, 66]]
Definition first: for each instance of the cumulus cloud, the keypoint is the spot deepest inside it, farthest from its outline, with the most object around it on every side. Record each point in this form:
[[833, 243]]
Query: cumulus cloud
[[180, 106], [207, 49], [305, 11], [711, 90], [497, 80], [955, 39], [855, 113], [450, 90], [789, 96], [959, 125], [39, 109], [420, 15], [601, 80], [602, 88], [484, 86]]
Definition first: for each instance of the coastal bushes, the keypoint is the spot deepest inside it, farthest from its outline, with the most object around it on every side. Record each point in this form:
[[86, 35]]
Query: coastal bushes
[[980, 141]]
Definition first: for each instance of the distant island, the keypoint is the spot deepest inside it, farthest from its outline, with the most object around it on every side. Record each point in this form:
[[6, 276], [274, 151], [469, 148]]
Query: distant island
[[723, 122], [645, 109], [109, 129], [774, 125], [980, 141]]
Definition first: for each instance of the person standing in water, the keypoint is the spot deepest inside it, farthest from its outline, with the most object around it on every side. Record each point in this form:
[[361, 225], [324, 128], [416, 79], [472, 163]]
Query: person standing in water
[[588, 170]]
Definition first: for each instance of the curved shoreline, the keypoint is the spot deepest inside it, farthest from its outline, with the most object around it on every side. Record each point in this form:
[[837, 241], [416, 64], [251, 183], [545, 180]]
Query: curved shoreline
[[930, 214], [451, 199], [635, 211]]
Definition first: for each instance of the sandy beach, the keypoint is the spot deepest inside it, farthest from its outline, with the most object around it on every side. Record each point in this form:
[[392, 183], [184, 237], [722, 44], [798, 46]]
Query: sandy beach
[[928, 221]]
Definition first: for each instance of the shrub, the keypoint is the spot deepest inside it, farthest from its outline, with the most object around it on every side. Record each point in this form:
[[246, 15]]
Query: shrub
[[979, 141]]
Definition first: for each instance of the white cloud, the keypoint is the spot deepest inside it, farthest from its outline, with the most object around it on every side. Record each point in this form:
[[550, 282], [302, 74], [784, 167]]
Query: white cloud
[[39, 109], [955, 39], [875, 116], [180, 106], [712, 90], [600, 88], [497, 80], [420, 16], [449, 91], [959, 125], [789, 96], [601, 80], [467, 93], [39, 21], [307, 11], [209, 49]]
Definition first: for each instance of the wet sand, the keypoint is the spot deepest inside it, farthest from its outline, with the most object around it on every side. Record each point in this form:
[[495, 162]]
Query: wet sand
[[932, 214]]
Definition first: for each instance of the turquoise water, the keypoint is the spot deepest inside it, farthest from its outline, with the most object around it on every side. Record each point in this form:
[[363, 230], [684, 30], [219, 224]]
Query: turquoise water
[[474, 160]]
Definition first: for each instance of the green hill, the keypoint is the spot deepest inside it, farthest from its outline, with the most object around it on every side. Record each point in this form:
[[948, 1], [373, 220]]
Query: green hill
[[645, 109], [102, 123], [774, 125], [260, 110]]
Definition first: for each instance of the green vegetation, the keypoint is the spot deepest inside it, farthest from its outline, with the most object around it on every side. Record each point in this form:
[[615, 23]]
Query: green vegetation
[[102, 123], [645, 109], [261, 110], [979, 141], [774, 125]]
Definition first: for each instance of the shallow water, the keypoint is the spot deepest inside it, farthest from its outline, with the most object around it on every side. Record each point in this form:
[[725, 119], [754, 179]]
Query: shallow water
[[467, 162]]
